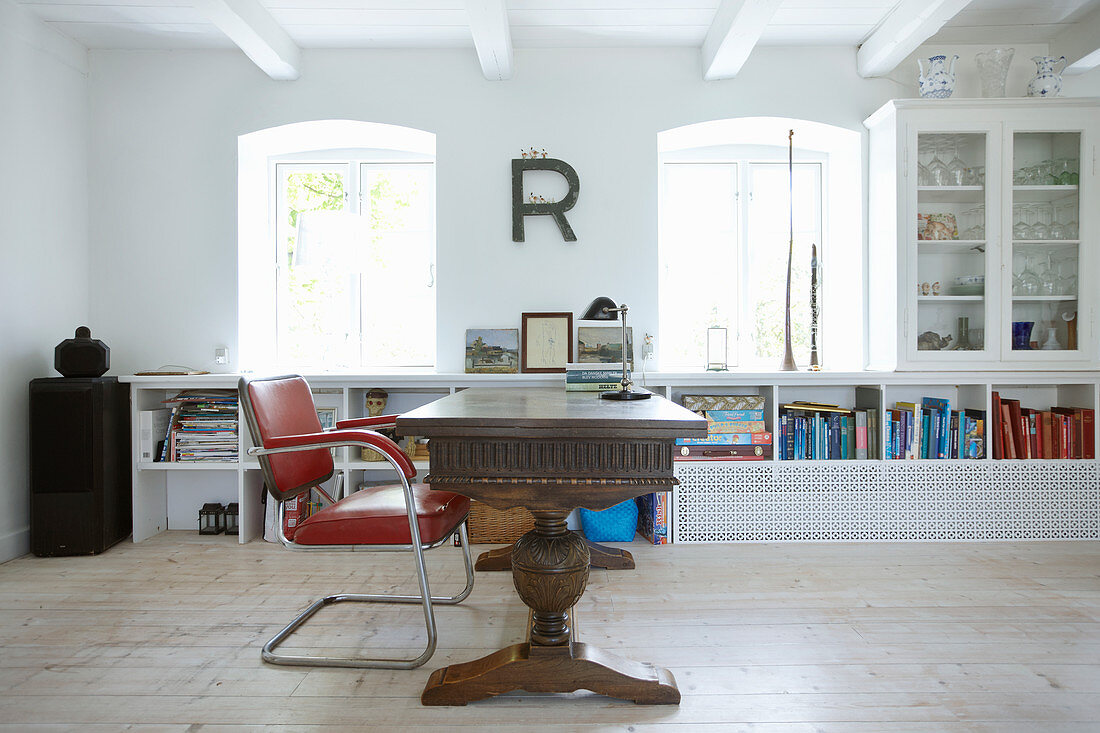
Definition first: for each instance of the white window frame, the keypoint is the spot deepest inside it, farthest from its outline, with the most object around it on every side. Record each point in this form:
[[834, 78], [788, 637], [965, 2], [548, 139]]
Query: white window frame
[[743, 158]]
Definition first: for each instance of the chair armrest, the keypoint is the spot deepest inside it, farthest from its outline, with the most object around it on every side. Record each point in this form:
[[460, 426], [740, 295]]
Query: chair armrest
[[374, 423], [335, 438]]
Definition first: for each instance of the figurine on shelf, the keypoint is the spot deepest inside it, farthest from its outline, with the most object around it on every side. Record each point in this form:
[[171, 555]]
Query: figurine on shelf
[[375, 404], [932, 341], [924, 288], [936, 288]]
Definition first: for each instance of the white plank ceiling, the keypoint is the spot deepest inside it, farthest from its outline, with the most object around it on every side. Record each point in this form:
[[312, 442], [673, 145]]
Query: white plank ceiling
[[176, 24]]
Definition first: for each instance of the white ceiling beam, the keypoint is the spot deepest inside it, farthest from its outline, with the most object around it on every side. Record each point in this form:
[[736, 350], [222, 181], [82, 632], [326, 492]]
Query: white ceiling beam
[[737, 26], [21, 24], [492, 37], [251, 27], [909, 24], [1080, 44]]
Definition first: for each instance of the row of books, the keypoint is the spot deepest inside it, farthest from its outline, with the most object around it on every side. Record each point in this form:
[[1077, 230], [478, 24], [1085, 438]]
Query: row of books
[[1057, 433], [202, 427], [930, 429], [593, 377], [735, 431], [815, 431]]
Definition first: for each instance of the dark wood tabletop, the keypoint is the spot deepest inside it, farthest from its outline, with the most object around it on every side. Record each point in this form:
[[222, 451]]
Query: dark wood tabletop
[[549, 412]]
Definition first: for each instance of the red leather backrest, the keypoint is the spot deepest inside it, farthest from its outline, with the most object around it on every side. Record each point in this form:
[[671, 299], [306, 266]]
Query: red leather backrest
[[284, 406]]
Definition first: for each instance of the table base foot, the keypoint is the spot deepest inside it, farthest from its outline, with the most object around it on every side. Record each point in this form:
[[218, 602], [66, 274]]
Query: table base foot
[[610, 558], [566, 668]]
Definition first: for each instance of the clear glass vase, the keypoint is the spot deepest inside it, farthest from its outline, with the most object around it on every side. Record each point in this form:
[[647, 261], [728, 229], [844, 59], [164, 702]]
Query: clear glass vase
[[993, 70]]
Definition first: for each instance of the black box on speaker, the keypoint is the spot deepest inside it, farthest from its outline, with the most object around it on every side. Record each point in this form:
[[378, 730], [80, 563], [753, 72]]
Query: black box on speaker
[[80, 465]]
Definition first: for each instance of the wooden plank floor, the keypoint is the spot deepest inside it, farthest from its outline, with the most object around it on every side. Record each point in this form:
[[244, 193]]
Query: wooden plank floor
[[166, 635]]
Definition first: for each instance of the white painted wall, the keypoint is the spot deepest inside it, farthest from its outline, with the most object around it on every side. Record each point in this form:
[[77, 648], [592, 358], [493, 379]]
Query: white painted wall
[[44, 242], [164, 168]]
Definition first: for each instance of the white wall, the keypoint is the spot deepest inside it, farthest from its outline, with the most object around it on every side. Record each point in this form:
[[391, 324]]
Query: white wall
[[165, 127], [44, 242]]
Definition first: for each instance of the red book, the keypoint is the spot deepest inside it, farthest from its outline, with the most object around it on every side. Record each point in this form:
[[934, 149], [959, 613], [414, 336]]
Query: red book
[[1025, 432], [995, 427], [1018, 441], [1088, 433], [1057, 424], [1009, 450], [1048, 434], [1076, 427]]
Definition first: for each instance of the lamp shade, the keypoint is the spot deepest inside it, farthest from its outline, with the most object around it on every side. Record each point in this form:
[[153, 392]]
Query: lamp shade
[[596, 310]]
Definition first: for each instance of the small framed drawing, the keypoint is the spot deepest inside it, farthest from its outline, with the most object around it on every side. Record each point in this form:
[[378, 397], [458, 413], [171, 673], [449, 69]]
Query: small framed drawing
[[492, 350], [546, 342], [327, 416], [604, 345]]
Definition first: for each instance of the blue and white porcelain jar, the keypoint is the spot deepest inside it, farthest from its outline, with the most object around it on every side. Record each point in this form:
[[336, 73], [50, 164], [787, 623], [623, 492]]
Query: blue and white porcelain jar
[[938, 82]]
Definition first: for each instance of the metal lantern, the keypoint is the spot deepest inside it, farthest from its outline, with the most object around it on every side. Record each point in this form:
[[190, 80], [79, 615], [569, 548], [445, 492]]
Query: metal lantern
[[232, 518], [716, 349], [211, 518]]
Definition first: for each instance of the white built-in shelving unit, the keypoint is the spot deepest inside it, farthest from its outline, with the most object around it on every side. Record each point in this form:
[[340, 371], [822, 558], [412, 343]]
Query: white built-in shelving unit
[[706, 508]]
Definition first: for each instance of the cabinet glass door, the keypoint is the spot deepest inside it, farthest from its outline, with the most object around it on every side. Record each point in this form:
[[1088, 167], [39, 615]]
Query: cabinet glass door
[[1045, 253], [950, 238]]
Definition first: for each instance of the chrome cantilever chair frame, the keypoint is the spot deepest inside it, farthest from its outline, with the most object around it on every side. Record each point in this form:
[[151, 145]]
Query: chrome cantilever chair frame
[[424, 598]]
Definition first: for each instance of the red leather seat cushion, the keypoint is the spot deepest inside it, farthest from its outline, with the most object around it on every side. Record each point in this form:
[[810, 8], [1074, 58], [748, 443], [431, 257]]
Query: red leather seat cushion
[[376, 516]]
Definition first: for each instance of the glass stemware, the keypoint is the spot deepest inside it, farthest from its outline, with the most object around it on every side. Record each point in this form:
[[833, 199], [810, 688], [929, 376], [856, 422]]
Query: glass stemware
[[1019, 228], [1057, 228], [1047, 277], [1028, 279], [924, 176], [1066, 282], [956, 169], [938, 170], [1041, 228]]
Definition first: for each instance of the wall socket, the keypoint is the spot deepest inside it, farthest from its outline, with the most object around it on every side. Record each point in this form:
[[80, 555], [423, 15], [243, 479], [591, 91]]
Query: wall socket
[[647, 347], [221, 355]]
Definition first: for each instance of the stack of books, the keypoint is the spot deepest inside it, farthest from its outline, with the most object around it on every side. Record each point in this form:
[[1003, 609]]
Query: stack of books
[[738, 433], [203, 427], [1057, 433], [930, 429], [816, 431], [593, 377]]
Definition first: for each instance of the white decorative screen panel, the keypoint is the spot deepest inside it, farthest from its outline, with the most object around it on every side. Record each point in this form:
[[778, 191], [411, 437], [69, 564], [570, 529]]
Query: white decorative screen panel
[[881, 500]]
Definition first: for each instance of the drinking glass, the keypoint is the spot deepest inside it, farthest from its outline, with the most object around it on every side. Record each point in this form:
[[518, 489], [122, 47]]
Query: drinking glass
[[1066, 269], [924, 176], [1029, 281], [938, 170], [1047, 174], [1019, 227], [1047, 277], [956, 169], [1057, 227], [1041, 228]]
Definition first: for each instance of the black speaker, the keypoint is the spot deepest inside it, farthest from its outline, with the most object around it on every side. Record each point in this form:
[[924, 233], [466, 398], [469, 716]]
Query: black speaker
[[80, 465], [82, 356]]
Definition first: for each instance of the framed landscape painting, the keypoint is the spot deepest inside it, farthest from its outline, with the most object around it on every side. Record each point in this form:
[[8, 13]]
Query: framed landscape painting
[[604, 345], [546, 342], [492, 350]]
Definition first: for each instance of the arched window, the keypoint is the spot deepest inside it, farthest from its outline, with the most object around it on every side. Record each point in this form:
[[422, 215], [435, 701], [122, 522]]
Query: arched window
[[724, 233], [337, 246]]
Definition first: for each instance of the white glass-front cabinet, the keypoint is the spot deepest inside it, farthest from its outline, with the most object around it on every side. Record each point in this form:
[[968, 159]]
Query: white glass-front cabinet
[[983, 233]]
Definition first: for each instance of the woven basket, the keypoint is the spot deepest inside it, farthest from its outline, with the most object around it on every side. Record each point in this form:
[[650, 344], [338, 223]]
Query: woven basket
[[494, 526]]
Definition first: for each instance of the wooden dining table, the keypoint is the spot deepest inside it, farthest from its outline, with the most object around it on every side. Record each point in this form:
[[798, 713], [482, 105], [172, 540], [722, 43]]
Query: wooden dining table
[[550, 451]]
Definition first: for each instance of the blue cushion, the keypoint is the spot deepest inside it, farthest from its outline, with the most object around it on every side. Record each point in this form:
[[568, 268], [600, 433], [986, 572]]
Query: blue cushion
[[615, 524]]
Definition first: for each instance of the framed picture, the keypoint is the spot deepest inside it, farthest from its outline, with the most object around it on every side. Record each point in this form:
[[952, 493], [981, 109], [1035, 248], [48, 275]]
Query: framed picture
[[547, 342], [604, 345], [492, 350], [327, 416]]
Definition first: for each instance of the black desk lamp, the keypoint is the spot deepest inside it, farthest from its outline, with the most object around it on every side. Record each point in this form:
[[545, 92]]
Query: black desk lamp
[[604, 309]]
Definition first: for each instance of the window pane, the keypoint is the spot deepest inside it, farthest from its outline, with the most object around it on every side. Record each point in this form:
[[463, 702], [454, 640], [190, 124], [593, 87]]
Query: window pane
[[768, 220], [314, 290], [699, 259], [398, 258]]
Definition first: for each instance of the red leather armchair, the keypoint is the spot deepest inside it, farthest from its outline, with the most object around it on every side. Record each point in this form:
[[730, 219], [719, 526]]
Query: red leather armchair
[[294, 455]]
